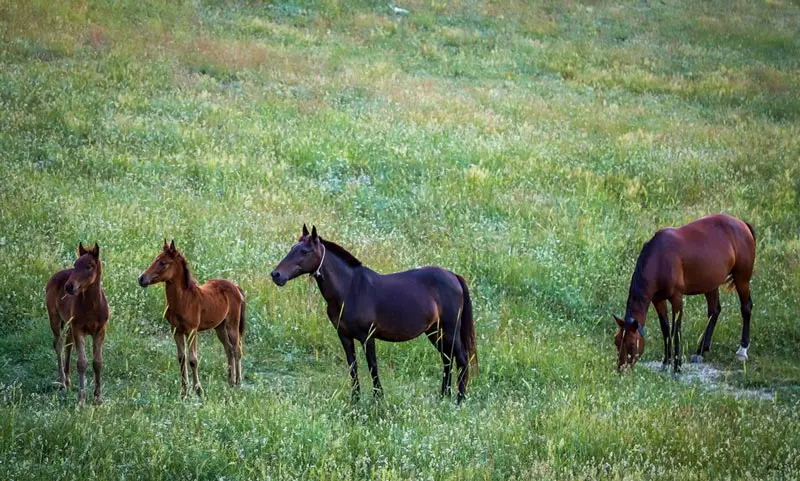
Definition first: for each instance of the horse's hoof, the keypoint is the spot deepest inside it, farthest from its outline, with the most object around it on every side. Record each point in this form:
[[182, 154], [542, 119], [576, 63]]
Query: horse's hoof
[[741, 354], [665, 366], [199, 391], [696, 358], [98, 400]]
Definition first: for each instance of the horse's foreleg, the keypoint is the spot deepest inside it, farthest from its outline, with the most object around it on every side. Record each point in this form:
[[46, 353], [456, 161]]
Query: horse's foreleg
[[677, 318], [747, 308], [372, 363], [193, 362], [714, 309], [97, 364], [663, 321], [180, 343], [67, 356], [78, 339], [350, 354]]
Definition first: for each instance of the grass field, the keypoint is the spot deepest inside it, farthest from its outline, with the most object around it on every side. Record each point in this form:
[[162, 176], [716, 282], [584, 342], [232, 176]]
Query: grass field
[[530, 146]]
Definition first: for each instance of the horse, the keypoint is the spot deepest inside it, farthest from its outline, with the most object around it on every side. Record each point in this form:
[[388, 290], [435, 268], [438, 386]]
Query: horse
[[365, 305], [75, 300], [696, 258], [218, 304]]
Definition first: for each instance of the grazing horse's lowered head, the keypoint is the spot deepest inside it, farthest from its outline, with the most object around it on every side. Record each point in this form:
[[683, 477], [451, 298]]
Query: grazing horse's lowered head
[[305, 257], [85, 272], [630, 341]]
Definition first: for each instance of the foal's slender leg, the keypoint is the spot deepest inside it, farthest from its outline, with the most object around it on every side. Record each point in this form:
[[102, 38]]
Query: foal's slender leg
[[67, 355], [350, 354], [372, 362], [714, 308], [78, 338], [677, 318], [235, 341], [180, 343], [743, 289], [97, 364], [222, 334], [193, 362], [55, 323], [663, 320]]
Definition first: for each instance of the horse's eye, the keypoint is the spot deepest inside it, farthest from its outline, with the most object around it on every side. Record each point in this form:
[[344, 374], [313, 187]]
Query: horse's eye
[[161, 263], [305, 250]]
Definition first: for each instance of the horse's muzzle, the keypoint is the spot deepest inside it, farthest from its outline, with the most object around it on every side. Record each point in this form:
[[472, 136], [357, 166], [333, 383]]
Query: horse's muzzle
[[142, 281], [278, 279], [70, 288]]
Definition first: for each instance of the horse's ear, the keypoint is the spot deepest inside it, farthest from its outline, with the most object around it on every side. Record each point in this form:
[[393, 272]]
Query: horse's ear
[[305, 230], [172, 245], [95, 250], [314, 235], [81, 249], [166, 246], [620, 322]]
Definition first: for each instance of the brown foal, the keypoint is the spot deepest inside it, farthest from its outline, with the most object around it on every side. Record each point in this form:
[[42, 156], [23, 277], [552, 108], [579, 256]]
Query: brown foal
[[218, 304], [75, 299]]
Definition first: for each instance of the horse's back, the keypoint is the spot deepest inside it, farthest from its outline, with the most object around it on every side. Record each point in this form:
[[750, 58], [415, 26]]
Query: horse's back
[[54, 292]]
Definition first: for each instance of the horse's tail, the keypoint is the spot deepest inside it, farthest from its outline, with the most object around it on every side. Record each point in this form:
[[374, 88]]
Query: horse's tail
[[242, 315], [468, 327], [752, 231]]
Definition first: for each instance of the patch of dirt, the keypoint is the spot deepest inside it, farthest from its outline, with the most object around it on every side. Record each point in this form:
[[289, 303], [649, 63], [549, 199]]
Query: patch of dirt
[[711, 377]]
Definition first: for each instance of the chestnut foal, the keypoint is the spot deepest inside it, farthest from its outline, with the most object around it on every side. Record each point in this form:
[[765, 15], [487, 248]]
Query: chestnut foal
[[218, 304], [75, 299]]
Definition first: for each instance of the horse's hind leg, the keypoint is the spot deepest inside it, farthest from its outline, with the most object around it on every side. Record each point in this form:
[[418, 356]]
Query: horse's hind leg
[[743, 289], [235, 343], [437, 338], [226, 343], [663, 320], [714, 309]]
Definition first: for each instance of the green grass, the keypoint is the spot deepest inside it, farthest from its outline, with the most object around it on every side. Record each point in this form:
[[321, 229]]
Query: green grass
[[530, 146]]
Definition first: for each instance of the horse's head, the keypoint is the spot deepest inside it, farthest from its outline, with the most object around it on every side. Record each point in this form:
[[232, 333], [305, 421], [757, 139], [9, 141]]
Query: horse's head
[[305, 257], [164, 267], [86, 270], [630, 342]]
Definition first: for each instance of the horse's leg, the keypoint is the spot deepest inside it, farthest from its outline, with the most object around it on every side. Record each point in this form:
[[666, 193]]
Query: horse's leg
[[714, 308], [67, 355], [97, 364], [663, 320], [677, 318], [463, 371], [436, 337], [193, 362], [372, 363], [236, 349], [180, 343], [743, 289], [79, 338], [350, 354], [55, 326], [226, 344]]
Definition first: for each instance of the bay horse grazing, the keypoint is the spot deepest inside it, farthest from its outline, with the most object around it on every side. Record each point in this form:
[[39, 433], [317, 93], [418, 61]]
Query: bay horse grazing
[[218, 304], [75, 300], [694, 259], [365, 305]]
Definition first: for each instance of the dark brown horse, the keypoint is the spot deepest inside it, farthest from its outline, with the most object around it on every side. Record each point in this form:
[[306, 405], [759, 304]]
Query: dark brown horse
[[365, 305], [75, 300], [218, 304], [694, 259]]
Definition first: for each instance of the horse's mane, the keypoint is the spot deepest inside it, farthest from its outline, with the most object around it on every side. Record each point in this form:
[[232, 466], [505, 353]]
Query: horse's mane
[[341, 252], [639, 282], [187, 274]]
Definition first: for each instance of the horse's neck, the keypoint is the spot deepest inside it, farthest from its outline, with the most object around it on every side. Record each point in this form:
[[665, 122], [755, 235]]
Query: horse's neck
[[336, 279], [178, 293], [638, 303], [92, 295]]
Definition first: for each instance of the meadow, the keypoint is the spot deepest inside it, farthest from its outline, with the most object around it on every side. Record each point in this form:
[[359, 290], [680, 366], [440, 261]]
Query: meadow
[[531, 147]]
